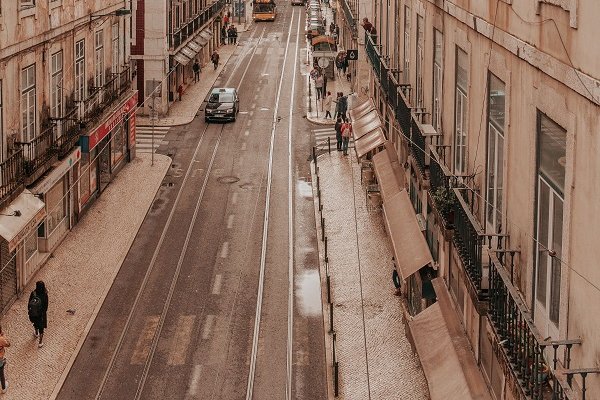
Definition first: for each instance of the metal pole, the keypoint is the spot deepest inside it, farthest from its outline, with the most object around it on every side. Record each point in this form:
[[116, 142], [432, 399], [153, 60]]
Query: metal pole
[[153, 117]]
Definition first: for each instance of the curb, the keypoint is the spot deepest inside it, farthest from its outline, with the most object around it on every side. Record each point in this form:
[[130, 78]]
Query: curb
[[100, 302], [319, 121]]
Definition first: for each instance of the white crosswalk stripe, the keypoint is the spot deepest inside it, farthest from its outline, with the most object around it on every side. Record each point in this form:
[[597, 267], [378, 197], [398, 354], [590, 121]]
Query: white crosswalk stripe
[[322, 134], [144, 141]]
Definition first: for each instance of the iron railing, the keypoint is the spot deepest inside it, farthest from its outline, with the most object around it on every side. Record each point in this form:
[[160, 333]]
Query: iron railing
[[190, 28], [469, 239], [392, 90], [11, 174], [38, 151], [71, 128], [403, 114], [349, 17], [373, 54], [439, 187], [103, 97], [418, 146]]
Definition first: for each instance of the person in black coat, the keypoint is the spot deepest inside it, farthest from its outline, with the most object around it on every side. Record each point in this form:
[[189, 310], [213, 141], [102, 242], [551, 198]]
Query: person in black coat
[[37, 310], [338, 133]]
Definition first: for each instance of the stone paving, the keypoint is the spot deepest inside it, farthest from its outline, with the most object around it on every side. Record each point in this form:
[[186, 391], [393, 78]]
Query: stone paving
[[375, 357], [78, 276]]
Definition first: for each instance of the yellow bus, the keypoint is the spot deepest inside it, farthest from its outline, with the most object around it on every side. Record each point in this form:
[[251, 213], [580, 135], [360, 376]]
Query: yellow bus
[[264, 10]]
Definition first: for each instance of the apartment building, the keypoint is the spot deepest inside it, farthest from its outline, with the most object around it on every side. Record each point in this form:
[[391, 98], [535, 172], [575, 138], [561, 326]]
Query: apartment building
[[67, 122], [492, 112], [169, 36]]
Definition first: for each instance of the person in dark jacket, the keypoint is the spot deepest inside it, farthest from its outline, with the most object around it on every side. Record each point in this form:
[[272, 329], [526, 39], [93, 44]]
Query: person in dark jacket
[[38, 309], [338, 133]]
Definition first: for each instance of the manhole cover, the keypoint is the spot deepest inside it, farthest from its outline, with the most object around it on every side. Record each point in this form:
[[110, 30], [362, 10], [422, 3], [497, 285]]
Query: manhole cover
[[228, 179]]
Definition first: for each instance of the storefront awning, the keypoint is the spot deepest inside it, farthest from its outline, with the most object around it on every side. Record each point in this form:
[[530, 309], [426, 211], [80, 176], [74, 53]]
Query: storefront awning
[[200, 41], [182, 59], [369, 142], [206, 34], [444, 351], [388, 173], [361, 109], [410, 248], [195, 47], [22, 216], [353, 101], [188, 52], [360, 130]]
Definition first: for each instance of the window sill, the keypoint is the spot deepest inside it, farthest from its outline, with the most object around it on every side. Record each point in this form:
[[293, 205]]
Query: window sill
[[54, 4], [28, 12]]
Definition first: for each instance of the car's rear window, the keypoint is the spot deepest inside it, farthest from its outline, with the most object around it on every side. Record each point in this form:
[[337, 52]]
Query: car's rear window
[[221, 98]]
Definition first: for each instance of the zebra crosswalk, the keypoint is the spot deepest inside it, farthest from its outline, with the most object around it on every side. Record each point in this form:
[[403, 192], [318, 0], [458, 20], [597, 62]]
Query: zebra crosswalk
[[143, 138], [322, 134]]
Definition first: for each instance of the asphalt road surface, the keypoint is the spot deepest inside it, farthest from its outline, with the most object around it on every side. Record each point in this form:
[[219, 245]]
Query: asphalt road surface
[[219, 296]]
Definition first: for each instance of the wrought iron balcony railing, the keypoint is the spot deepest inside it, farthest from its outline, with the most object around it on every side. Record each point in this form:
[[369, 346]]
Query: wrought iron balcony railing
[[373, 54], [103, 97], [440, 189], [38, 151], [11, 175], [349, 17], [70, 130], [418, 146], [190, 28]]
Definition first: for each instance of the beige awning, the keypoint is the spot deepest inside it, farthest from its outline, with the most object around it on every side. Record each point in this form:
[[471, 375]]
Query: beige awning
[[354, 101], [22, 216], [182, 59], [410, 248], [360, 110], [388, 174], [366, 124], [445, 353], [369, 142]]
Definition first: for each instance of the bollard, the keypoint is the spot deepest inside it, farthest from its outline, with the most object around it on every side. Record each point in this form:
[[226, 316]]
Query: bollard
[[329, 145], [331, 321], [326, 258], [322, 228], [336, 386]]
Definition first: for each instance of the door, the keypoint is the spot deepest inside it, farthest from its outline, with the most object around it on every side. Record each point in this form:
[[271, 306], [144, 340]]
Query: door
[[104, 159]]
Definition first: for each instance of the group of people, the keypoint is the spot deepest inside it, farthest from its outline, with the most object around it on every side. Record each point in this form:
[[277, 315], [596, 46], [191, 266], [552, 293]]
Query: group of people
[[343, 133], [229, 34], [37, 309], [341, 64], [318, 75]]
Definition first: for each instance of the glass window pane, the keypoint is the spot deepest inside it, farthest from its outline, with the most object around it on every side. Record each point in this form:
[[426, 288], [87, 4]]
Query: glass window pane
[[552, 151], [462, 69], [557, 225], [542, 235], [496, 102]]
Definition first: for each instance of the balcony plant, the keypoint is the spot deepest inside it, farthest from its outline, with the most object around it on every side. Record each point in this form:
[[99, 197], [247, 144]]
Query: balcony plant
[[444, 199]]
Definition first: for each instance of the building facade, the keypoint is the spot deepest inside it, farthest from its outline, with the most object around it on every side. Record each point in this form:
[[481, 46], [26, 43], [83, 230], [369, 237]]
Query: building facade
[[67, 122], [169, 36], [493, 111]]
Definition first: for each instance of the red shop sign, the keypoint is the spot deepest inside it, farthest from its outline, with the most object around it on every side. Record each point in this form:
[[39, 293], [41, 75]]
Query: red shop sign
[[115, 119]]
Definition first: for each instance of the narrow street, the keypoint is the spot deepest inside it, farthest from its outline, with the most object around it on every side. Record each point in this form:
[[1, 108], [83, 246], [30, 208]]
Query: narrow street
[[215, 298]]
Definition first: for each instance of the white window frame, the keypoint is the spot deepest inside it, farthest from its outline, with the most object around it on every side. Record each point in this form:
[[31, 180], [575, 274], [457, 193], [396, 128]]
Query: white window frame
[[80, 78], [99, 75], [419, 61], [437, 82], [116, 49], [495, 167], [406, 55], [56, 89], [460, 121], [28, 104]]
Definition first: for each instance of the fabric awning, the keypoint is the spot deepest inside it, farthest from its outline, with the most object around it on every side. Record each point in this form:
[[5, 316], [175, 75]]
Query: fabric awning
[[366, 124], [361, 109], [390, 178], [206, 34], [181, 59], [369, 142], [353, 101], [410, 248], [31, 212], [201, 41], [195, 47], [188, 52], [445, 353]]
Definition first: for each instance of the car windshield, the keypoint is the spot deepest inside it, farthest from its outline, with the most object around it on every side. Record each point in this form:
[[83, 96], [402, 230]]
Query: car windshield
[[221, 98]]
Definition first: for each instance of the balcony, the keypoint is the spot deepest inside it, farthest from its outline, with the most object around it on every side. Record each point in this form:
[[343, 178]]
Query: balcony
[[349, 17], [439, 187], [190, 28], [38, 153], [372, 51], [11, 177], [532, 361], [103, 97], [70, 129]]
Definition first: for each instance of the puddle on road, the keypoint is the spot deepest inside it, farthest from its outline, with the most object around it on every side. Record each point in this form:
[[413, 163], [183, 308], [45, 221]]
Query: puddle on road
[[304, 189], [308, 293]]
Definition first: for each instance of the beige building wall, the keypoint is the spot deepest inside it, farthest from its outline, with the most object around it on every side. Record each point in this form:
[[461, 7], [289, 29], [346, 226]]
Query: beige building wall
[[544, 51]]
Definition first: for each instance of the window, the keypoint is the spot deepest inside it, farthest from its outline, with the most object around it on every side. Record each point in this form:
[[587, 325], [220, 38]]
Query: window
[[495, 154], [27, 3], [116, 49], [28, 107], [56, 88], [419, 62], [80, 89], [551, 154], [118, 146], [177, 21], [31, 245], [1, 128], [56, 204], [99, 60], [460, 113], [406, 71], [438, 41]]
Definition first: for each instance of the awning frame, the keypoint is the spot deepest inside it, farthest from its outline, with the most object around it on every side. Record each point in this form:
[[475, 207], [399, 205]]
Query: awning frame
[[369, 142]]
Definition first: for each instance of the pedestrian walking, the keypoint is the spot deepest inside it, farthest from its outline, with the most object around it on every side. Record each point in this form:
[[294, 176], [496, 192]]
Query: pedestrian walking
[[319, 86], [327, 105], [339, 62], [223, 35], [215, 59], [225, 20], [37, 309], [338, 133], [235, 34], [341, 105], [230, 34], [346, 133], [180, 91], [4, 343], [332, 28], [196, 68]]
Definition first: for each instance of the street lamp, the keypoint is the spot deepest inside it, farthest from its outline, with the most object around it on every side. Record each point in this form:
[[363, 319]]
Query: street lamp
[[117, 13]]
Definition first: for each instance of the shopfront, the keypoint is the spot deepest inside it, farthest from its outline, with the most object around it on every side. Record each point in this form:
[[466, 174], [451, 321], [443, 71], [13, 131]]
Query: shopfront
[[105, 150], [57, 191], [19, 251]]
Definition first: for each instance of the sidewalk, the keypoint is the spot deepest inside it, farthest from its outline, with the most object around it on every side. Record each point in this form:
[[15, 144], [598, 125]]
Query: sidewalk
[[374, 355], [78, 276], [340, 84], [183, 112]]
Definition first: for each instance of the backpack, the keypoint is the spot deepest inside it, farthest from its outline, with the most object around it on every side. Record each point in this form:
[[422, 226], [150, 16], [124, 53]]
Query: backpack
[[34, 307]]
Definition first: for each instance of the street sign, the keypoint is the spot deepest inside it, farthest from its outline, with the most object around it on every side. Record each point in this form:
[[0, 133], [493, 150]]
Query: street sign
[[351, 55], [323, 62]]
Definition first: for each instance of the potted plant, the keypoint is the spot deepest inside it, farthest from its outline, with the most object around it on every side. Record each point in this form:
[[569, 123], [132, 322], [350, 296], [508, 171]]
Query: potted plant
[[444, 199]]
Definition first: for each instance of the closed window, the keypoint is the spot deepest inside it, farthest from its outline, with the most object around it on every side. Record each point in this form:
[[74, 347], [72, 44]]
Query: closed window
[[437, 80], [460, 112], [1, 129], [495, 154], [419, 62], [28, 106], [99, 78], [80, 89], [56, 88], [116, 49], [56, 203], [406, 72]]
